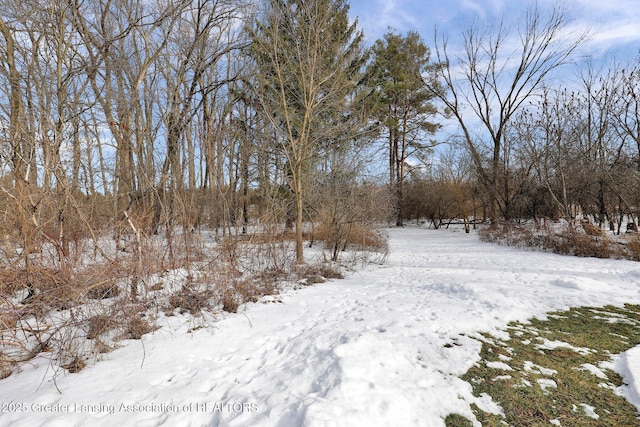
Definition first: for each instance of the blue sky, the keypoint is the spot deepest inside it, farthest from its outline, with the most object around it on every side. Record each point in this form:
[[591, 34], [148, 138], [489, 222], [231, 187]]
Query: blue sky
[[614, 25]]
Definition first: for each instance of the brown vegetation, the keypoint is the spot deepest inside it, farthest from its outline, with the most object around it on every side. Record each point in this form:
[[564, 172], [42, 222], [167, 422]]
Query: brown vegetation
[[583, 240]]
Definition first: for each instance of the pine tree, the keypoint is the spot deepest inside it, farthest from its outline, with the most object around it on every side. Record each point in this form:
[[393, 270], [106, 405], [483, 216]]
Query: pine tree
[[308, 56], [403, 102]]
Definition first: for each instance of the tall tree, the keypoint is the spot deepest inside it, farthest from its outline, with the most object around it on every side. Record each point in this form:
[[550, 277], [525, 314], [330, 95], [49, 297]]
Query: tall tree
[[547, 133], [306, 52], [489, 83], [628, 117], [403, 101]]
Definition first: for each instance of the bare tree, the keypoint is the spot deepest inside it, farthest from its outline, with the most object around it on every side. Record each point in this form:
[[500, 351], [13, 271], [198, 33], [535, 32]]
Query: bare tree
[[602, 145], [492, 79], [546, 132], [628, 116]]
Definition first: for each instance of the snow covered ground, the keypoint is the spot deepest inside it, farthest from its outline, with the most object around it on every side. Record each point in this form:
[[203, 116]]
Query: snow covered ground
[[384, 347]]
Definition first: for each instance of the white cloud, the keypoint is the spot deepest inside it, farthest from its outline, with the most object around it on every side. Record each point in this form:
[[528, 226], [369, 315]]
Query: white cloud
[[378, 16], [610, 22], [484, 8], [613, 24]]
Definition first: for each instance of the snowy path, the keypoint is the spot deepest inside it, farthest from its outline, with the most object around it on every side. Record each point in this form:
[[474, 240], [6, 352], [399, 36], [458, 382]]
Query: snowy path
[[383, 347]]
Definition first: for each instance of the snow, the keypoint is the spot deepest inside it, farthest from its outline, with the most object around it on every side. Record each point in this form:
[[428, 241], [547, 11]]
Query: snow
[[386, 346], [594, 370], [499, 365], [627, 365], [546, 383], [537, 369], [552, 345], [589, 411]]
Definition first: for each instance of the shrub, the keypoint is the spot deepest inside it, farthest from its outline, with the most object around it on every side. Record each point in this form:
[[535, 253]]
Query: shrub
[[191, 300], [584, 244], [633, 247], [585, 240], [230, 302], [136, 327], [100, 324], [77, 308]]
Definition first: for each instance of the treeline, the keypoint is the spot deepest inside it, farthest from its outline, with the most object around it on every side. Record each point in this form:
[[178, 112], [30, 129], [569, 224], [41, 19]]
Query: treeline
[[129, 117], [161, 156], [536, 138], [147, 117], [566, 153]]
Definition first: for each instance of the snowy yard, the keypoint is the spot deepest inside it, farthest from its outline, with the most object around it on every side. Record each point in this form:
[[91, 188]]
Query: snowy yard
[[384, 347]]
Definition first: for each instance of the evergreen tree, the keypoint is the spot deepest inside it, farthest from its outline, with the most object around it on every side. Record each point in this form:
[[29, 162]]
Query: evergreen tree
[[403, 102], [309, 58]]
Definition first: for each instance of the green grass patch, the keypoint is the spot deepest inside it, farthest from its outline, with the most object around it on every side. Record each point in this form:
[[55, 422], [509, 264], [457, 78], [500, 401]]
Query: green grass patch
[[551, 370]]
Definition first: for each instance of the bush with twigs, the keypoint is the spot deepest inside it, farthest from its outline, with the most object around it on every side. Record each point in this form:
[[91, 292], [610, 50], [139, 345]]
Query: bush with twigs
[[578, 239]]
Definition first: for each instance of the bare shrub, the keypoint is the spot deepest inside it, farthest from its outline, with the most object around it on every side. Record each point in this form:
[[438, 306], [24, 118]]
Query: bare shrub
[[190, 300], [99, 325], [12, 280], [55, 288], [591, 230], [230, 301], [80, 307], [563, 239], [369, 238], [584, 244], [633, 247], [339, 237], [136, 326], [8, 319], [75, 365], [11, 344], [490, 235], [348, 214]]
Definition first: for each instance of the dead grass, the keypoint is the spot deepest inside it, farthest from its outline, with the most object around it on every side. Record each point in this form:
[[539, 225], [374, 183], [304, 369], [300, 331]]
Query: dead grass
[[99, 325], [75, 365], [230, 301], [252, 289], [343, 236], [103, 290], [324, 270], [583, 240], [191, 300], [457, 420], [245, 290], [136, 327], [90, 297], [7, 365]]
